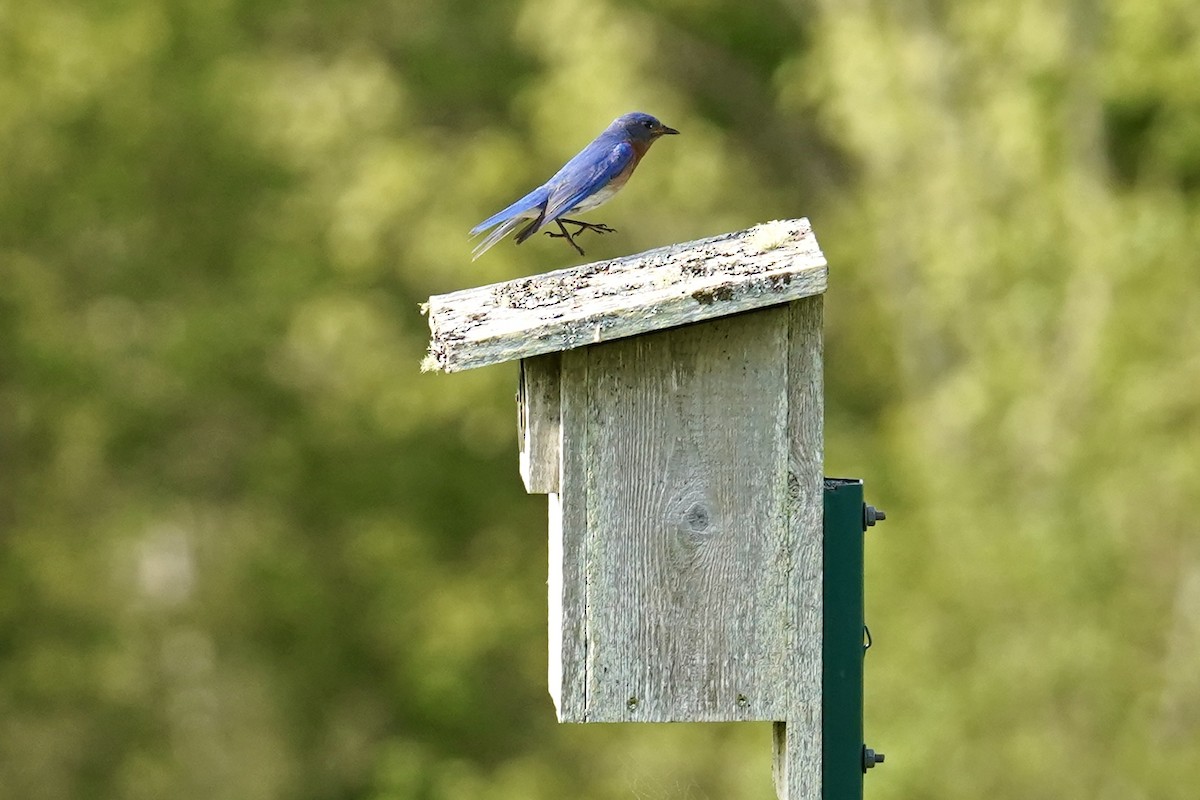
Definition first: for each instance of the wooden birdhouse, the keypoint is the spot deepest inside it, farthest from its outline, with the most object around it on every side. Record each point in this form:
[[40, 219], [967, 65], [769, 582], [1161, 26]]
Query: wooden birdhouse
[[671, 407]]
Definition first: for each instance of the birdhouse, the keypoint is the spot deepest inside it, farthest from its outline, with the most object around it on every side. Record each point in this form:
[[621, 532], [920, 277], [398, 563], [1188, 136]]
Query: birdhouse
[[671, 407]]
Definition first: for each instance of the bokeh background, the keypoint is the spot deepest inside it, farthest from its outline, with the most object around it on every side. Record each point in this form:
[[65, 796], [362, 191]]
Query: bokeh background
[[248, 551]]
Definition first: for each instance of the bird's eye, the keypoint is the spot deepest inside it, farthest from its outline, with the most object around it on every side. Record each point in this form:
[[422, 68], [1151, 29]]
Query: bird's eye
[[648, 124]]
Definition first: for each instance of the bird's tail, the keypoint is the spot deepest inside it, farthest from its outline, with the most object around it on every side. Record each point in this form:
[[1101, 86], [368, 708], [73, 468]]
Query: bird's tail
[[530, 207], [504, 229]]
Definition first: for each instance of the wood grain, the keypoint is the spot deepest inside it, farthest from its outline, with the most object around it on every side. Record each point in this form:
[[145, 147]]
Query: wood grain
[[687, 524], [797, 736], [568, 580]]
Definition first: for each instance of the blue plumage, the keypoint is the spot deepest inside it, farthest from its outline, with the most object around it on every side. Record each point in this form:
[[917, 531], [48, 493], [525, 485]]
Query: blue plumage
[[584, 182]]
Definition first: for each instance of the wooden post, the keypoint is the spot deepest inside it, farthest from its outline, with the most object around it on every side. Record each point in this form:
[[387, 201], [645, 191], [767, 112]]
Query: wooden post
[[670, 405]]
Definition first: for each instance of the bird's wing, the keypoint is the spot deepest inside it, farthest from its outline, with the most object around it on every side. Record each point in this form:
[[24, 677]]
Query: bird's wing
[[584, 175], [580, 178]]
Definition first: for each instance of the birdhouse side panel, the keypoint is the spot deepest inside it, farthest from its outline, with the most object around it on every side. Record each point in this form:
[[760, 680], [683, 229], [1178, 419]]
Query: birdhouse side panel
[[798, 735]]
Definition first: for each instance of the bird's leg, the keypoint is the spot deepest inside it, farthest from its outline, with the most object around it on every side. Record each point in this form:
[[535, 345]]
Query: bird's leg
[[564, 235], [598, 227]]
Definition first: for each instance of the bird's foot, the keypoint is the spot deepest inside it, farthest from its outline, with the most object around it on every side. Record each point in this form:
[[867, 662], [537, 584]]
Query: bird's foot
[[580, 227], [598, 227], [563, 233]]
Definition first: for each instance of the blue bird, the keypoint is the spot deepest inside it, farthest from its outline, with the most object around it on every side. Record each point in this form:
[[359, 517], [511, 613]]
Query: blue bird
[[584, 182]]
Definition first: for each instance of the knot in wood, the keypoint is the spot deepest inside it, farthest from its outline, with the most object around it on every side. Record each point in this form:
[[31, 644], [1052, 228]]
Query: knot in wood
[[793, 486], [697, 517]]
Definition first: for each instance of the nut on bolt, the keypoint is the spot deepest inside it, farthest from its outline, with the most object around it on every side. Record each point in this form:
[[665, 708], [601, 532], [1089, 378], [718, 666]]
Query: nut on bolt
[[871, 758], [871, 515]]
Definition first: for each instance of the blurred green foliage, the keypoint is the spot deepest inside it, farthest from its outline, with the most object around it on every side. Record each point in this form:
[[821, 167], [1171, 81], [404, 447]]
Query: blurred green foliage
[[247, 551]]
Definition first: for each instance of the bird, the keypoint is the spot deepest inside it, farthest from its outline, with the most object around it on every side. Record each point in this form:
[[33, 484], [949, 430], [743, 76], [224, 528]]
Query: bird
[[592, 177]]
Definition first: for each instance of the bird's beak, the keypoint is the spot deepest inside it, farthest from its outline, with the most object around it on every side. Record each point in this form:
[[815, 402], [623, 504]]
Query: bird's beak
[[664, 129]]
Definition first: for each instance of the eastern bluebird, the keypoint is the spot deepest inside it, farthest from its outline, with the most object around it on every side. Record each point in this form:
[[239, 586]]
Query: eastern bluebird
[[584, 182]]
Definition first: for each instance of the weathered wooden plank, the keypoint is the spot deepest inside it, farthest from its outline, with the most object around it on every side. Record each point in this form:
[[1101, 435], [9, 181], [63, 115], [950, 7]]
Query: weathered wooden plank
[[766, 265], [538, 422], [568, 590], [689, 563], [797, 754]]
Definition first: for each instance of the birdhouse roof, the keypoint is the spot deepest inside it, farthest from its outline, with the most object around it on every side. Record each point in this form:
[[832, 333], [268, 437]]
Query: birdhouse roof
[[766, 265]]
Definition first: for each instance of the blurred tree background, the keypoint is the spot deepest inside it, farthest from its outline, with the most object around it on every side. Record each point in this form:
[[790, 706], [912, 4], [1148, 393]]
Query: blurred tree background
[[247, 551]]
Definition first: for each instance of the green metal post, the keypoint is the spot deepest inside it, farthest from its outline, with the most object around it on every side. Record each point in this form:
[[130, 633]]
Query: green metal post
[[842, 677]]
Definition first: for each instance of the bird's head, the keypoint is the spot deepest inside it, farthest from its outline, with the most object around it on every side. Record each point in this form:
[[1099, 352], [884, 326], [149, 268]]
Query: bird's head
[[641, 127]]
